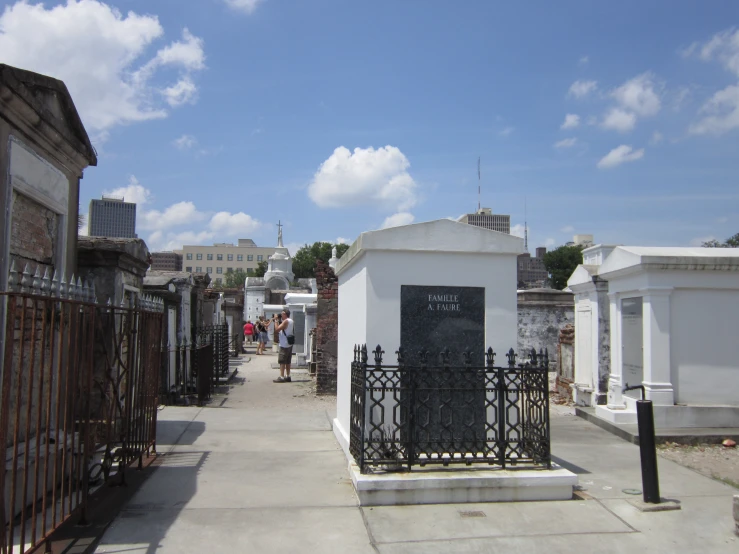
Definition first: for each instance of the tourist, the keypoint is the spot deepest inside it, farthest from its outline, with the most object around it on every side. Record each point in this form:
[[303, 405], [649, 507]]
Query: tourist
[[287, 339], [264, 326], [261, 335], [248, 332]]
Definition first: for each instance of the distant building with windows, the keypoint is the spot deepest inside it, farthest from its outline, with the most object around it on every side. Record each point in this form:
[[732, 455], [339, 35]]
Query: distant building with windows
[[222, 258], [112, 217], [166, 261], [486, 219], [531, 273]]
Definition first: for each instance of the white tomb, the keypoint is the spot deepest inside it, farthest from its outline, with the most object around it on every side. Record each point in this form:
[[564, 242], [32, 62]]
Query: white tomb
[[440, 253], [673, 315]]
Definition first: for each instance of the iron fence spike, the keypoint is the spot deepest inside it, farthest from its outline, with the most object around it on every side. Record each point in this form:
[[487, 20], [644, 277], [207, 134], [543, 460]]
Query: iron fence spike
[[25, 274], [55, 284], [45, 283], [12, 276], [36, 282]]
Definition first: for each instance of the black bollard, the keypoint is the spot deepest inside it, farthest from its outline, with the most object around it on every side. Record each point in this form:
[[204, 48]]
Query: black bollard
[[648, 449]]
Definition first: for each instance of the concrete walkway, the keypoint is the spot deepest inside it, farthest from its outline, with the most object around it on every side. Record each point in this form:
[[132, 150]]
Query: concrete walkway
[[260, 471]]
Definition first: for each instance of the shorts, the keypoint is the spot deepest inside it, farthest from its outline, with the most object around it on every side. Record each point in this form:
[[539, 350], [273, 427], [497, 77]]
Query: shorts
[[264, 337], [285, 356]]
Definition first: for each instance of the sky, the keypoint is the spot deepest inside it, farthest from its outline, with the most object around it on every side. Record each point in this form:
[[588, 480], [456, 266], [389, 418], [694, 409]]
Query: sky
[[222, 117]]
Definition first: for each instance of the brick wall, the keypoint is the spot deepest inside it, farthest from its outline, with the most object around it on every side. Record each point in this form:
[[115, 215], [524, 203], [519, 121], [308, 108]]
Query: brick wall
[[33, 234], [327, 325]]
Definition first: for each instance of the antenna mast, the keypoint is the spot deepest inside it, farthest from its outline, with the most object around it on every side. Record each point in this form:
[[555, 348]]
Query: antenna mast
[[525, 226], [478, 183]]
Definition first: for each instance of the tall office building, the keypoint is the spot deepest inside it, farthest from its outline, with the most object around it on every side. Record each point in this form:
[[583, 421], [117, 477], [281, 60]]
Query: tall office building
[[223, 258], [486, 219], [112, 217]]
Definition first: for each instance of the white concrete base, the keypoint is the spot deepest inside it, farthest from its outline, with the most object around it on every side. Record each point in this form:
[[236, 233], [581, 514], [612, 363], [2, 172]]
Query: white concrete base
[[673, 417], [457, 486], [342, 436], [619, 417]]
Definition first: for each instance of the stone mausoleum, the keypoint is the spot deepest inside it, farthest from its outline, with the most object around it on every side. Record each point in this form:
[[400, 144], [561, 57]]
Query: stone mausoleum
[[662, 318], [443, 292]]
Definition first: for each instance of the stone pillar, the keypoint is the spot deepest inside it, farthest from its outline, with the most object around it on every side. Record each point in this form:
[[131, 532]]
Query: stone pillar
[[657, 378], [615, 381], [602, 341], [327, 325]]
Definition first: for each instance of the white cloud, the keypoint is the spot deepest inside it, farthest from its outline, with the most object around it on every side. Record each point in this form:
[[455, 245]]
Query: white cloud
[[165, 226], [134, 192], [571, 121], [182, 92], [657, 137], [549, 242], [82, 231], [619, 120], [342, 240], [518, 230], [584, 60], [567, 229], [721, 113], [723, 46], [97, 52], [181, 213], [229, 224], [566, 143], [398, 219], [638, 95], [506, 132], [365, 176], [580, 89], [619, 155], [185, 142], [246, 6], [722, 219]]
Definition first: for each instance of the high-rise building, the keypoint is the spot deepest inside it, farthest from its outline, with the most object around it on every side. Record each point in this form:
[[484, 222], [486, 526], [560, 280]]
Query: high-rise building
[[531, 271], [112, 217], [486, 219], [223, 258], [166, 261]]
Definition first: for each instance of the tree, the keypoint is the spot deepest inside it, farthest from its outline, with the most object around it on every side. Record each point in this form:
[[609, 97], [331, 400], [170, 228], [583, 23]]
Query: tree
[[232, 280], [304, 260], [260, 270], [560, 264], [731, 242]]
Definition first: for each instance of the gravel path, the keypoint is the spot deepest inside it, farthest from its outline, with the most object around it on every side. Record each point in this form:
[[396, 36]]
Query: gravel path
[[711, 460]]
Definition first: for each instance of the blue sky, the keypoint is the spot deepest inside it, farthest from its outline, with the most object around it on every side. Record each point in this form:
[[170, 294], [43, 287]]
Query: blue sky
[[221, 117]]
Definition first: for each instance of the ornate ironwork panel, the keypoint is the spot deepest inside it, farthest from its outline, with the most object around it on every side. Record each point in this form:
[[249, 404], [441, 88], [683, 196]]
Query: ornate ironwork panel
[[436, 413]]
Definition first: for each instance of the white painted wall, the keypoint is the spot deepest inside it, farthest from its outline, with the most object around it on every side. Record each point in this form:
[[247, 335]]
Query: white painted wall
[[704, 346], [253, 303], [353, 306], [369, 302]]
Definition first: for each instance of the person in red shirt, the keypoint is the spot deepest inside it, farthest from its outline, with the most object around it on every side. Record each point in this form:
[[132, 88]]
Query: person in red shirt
[[249, 332]]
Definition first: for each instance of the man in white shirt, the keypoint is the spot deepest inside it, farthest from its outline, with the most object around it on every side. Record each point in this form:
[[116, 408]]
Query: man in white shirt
[[287, 338]]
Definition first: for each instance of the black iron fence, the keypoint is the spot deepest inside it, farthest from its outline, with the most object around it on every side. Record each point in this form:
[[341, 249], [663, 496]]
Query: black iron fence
[[432, 412], [218, 336], [78, 400]]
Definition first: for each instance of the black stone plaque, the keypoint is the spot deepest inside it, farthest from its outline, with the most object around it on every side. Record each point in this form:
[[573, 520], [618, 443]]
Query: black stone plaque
[[449, 407], [434, 318]]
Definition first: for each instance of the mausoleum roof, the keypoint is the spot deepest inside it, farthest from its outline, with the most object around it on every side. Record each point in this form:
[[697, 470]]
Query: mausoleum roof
[[626, 259], [441, 235]]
